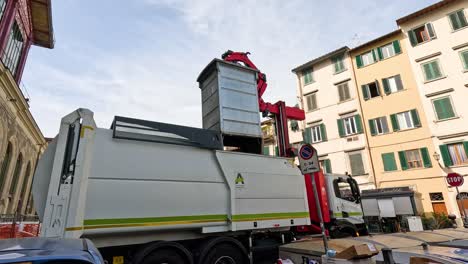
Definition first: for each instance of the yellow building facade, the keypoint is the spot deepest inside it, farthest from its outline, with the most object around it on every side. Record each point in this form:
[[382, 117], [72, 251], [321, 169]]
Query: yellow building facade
[[396, 126]]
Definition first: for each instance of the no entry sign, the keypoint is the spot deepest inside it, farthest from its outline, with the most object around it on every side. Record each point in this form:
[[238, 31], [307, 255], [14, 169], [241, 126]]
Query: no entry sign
[[455, 179], [308, 159]]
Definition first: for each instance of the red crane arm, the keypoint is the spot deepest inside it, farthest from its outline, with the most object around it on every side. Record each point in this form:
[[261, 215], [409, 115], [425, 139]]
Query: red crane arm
[[291, 112]]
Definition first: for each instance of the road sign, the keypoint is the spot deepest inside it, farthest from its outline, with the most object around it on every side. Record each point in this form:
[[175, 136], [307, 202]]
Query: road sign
[[455, 179], [308, 159]]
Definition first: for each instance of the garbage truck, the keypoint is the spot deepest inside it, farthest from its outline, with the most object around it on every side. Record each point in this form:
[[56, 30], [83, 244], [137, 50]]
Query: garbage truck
[[146, 191]]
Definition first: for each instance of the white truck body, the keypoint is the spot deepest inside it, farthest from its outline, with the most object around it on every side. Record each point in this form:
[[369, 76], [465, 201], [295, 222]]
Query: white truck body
[[123, 191]]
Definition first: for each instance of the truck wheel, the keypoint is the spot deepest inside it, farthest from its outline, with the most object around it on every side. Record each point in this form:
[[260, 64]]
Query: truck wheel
[[164, 256], [224, 253]]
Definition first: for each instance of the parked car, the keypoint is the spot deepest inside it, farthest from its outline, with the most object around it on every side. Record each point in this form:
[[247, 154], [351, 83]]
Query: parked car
[[45, 250]]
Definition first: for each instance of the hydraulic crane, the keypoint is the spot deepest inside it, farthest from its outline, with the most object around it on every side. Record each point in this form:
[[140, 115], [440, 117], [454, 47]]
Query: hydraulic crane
[[279, 110]]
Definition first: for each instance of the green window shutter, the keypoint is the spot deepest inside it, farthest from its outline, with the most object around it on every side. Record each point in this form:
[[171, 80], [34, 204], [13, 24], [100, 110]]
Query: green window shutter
[[307, 135], [377, 84], [403, 162], [359, 61], [373, 131], [323, 131], [358, 120], [462, 18], [455, 21], [399, 83], [389, 162], [276, 151], [445, 155], [396, 46], [386, 86], [443, 108], [415, 117], [365, 92], [426, 158], [395, 125], [428, 72], [465, 146], [412, 37], [327, 165], [341, 127], [465, 59], [374, 54], [379, 52], [430, 30], [266, 150], [436, 69]]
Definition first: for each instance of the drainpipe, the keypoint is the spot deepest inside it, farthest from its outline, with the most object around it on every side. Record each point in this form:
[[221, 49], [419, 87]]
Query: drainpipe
[[301, 95], [364, 124]]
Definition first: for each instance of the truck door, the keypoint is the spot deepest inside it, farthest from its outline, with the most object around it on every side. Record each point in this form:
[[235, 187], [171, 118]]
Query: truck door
[[348, 200]]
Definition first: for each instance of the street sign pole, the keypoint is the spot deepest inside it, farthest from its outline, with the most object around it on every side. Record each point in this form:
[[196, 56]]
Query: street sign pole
[[462, 205], [309, 164], [319, 212]]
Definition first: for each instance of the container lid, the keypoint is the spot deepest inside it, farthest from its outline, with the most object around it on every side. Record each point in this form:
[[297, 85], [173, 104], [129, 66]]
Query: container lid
[[213, 65]]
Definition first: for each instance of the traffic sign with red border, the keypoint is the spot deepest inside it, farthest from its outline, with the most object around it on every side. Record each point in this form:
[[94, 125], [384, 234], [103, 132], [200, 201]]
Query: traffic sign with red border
[[455, 179]]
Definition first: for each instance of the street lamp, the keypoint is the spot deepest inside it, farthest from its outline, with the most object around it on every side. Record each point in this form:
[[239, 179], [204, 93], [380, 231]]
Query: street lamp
[[436, 156]]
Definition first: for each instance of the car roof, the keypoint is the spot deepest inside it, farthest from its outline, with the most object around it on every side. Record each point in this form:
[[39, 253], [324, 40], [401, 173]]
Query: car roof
[[30, 249]]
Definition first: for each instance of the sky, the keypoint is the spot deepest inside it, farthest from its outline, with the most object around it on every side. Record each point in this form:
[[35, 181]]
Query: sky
[[141, 58]]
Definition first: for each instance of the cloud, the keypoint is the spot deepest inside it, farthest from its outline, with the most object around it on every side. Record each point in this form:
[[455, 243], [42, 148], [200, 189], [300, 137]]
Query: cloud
[[144, 61]]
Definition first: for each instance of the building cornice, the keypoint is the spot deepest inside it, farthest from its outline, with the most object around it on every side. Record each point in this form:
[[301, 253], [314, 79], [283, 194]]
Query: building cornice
[[17, 100]]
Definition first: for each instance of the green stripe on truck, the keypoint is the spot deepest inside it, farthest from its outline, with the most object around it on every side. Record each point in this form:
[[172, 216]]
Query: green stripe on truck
[[195, 218]]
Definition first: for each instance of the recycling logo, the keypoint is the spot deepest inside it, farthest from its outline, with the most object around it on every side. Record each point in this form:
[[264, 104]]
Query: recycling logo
[[239, 180]]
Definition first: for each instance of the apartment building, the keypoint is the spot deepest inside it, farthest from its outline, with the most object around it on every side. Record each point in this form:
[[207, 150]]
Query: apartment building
[[398, 133], [437, 41], [333, 124]]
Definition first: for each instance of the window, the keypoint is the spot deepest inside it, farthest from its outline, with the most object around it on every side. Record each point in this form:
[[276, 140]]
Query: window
[[338, 62], [458, 19], [454, 154], [431, 70], [464, 58], [16, 175], [421, 34], [315, 134], [5, 166], [389, 162], [405, 120], [443, 108], [325, 165], [415, 158], [307, 75], [13, 49], [370, 90], [311, 100], [368, 58], [356, 163], [350, 125], [438, 196], [25, 184], [388, 51], [378, 126], [392, 84], [343, 92]]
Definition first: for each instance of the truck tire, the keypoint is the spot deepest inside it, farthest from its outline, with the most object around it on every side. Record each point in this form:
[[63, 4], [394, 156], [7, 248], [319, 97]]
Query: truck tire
[[163, 252], [224, 253], [223, 250]]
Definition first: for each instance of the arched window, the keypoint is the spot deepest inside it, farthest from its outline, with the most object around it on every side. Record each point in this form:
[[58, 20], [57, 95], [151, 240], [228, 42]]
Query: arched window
[[24, 185], [5, 164], [16, 175]]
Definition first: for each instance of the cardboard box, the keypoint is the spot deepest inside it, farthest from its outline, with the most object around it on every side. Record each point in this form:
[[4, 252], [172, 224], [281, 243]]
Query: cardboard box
[[358, 252]]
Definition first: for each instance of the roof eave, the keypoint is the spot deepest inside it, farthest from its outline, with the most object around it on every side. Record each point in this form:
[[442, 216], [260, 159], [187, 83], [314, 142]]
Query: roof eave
[[42, 28], [320, 59]]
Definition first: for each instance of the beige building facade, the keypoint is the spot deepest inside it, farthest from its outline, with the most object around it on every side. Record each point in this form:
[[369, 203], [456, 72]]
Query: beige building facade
[[22, 24], [333, 125], [395, 123], [437, 41]]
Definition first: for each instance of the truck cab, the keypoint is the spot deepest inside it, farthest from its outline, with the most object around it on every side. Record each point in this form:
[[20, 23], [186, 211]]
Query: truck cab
[[344, 200]]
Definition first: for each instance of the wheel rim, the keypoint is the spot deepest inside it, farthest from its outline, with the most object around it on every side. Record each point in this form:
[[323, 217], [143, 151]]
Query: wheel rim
[[225, 260]]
